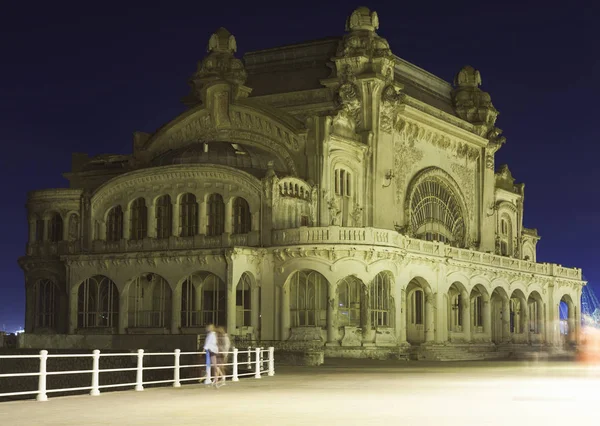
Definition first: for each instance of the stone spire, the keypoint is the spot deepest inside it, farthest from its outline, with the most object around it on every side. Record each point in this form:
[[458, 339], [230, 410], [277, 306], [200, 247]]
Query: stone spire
[[218, 67]]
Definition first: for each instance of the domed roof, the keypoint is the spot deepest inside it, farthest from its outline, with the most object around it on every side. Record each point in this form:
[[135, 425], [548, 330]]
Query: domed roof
[[246, 158]]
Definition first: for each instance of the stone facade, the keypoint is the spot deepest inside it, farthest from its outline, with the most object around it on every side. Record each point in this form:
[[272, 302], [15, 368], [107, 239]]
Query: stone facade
[[327, 193]]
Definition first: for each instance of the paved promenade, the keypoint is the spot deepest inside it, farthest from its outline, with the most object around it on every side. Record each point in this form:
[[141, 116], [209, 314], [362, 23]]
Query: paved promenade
[[345, 394]]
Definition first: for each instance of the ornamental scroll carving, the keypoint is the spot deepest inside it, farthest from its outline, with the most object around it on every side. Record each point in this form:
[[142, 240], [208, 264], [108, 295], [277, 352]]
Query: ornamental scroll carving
[[465, 174], [390, 99]]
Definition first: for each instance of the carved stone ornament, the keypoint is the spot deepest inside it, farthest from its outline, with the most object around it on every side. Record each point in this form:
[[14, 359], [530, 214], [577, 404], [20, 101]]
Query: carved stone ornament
[[219, 65], [357, 215], [390, 99], [334, 210], [470, 102]]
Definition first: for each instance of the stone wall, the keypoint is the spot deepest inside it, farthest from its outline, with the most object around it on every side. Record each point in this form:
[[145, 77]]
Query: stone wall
[[148, 342]]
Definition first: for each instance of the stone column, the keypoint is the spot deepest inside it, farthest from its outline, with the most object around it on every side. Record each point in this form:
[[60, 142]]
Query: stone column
[[331, 313], [429, 318], [229, 216], [123, 312], [175, 231], [466, 316], [151, 220], [506, 337], [65, 230], [46, 233], [32, 226], [572, 336], [73, 306], [202, 218], [403, 318], [127, 223], [176, 310], [285, 313], [525, 320], [541, 320], [441, 318], [101, 230], [231, 308], [487, 320], [255, 305], [255, 225]]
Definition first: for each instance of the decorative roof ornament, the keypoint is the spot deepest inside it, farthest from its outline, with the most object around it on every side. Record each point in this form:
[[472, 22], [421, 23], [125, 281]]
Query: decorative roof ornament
[[219, 66], [470, 102], [362, 19]]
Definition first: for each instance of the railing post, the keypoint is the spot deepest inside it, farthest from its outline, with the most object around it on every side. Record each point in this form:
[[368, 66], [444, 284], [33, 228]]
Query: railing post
[[271, 361], [42, 378], [176, 382], [249, 358], [95, 373], [235, 377], [139, 378], [257, 370]]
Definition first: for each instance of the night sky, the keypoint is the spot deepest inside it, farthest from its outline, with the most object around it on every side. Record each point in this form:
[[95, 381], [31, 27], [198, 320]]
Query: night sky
[[76, 79]]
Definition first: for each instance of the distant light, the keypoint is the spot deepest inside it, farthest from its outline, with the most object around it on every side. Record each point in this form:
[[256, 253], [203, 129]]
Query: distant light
[[19, 331]]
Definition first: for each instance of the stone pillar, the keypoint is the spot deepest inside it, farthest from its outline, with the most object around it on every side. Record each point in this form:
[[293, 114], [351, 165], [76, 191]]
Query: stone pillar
[[429, 318], [32, 226], [30, 307], [285, 313], [151, 220], [231, 307], [73, 307], [506, 337], [255, 225], [466, 316], [541, 320], [175, 219], [123, 312], [441, 318], [127, 223], [202, 218], [46, 233], [525, 319], [176, 310], [65, 230], [331, 313], [229, 216], [572, 336], [101, 230], [255, 306], [403, 318], [487, 320]]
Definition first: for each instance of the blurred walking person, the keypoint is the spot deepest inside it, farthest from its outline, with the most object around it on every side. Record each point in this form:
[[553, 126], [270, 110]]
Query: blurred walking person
[[223, 344], [211, 349]]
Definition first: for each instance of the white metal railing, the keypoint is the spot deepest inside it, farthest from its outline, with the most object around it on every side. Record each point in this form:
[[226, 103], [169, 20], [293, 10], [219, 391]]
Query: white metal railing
[[256, 362]]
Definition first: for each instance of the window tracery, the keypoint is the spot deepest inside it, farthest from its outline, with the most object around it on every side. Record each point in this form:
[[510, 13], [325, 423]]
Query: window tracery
[[114, 224], [164, 217], [98, 303], [46, 304], [350, 294], [188, 216], [242, 219], [139, 219], [380, 302], [308, 299]]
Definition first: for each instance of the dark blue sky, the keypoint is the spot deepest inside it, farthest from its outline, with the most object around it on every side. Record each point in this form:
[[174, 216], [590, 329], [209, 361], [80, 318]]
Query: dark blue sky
[[76, 77]]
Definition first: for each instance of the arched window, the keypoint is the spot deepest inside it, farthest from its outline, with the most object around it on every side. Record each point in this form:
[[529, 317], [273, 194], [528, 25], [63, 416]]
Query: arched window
[[308, 299], [478, 311], [149, 302], [164, 218], [188, 216], [46, 304], [203, 301], [73, 227], [505, 236], [139, 219], [515, 316], [435, 213], [241, 216], [98, 303], [216, 215], [350, 295], [55, 231], [457, 312], [114, 224], [243, 302], [379, 300]]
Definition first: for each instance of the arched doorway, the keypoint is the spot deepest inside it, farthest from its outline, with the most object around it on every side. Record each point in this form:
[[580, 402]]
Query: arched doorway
[[247, 305], [519, 317], [480, 314], [149, 302], [566, 313], [351, 293], [500, 316], [459, 319], [98, 304], [535, 307], [419, 312], [203, 300], [308, 299]]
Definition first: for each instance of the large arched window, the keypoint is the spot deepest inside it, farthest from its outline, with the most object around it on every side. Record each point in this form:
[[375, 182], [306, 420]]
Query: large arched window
[[380, 300], [216, 215], [164, 219], [203, 300], [98, 303], [350, 292], [243, 302], [308, 299], [505, 235], [149, 302], [188, 216], [55, 231], [139, 219], [435, 213], [114, 224], [241, 222], [46, 304]]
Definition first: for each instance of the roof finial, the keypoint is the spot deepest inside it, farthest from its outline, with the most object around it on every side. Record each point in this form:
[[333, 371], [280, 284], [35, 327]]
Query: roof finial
[[362, 19]]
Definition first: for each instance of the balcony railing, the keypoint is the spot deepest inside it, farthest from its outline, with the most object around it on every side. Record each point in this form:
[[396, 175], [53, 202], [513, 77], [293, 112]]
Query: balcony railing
[[389, 238]]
